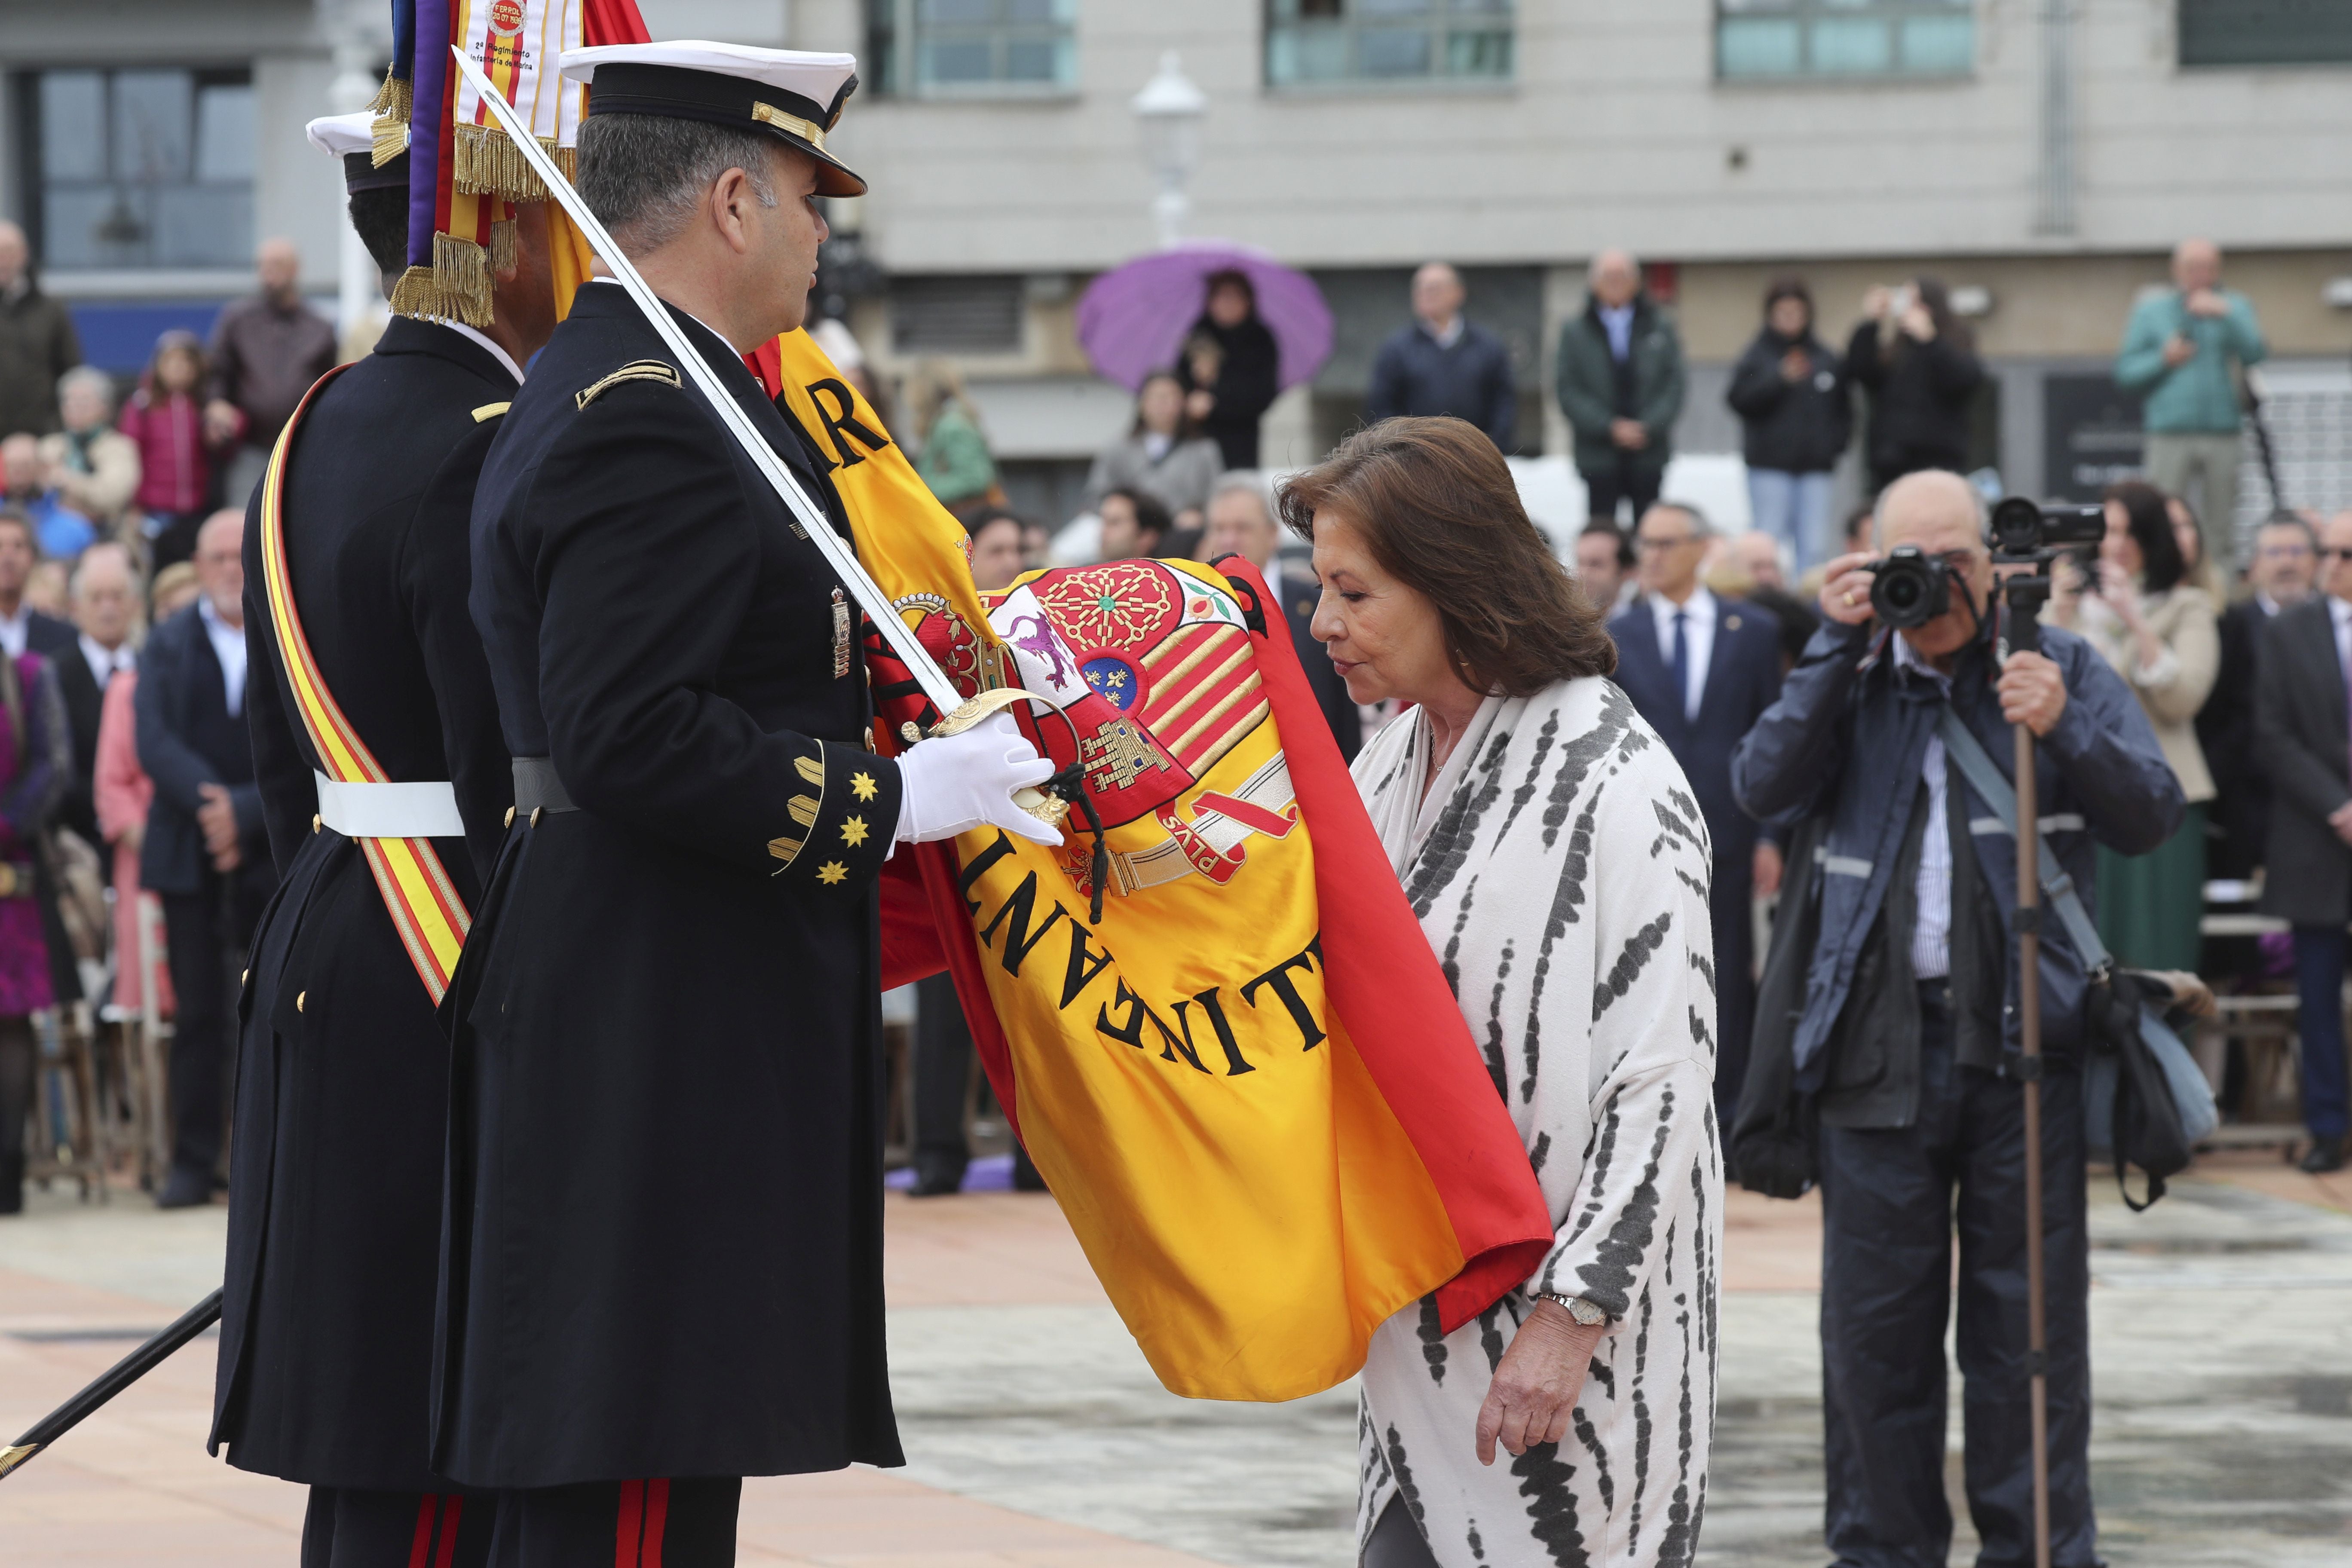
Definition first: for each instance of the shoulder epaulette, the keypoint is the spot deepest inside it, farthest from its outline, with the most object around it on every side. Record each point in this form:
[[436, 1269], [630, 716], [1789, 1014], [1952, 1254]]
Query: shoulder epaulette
[[489, 411], [639, 370]]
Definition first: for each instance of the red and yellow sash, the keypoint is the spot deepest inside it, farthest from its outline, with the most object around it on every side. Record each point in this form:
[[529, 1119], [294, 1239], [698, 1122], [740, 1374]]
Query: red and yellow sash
[[417, 893]]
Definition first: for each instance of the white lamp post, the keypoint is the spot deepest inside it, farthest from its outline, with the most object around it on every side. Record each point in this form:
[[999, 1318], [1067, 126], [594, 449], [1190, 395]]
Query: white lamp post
[[1170, 109]]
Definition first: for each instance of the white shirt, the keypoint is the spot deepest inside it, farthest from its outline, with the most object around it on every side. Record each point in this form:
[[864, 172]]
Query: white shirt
[[2339, 613], [104, 661], [12, 629], [1618, 322], [228, 646], [1451, 336], [497, 352], [1698, 641], [1931, 933]]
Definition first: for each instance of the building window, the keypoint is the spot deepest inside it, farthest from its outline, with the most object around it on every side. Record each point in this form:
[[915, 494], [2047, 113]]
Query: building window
[[1309, 42], [1770, 38], [956, 315], [939, 48], [2265, 32], [139, 168]]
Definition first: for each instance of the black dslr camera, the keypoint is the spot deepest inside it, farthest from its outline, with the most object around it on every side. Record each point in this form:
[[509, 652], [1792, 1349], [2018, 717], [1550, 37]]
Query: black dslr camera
[[1911, 588]]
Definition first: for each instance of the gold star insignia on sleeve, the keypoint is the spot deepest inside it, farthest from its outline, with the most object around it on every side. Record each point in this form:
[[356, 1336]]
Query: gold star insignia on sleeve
[[861, 785], [853, 831], [832, 872]]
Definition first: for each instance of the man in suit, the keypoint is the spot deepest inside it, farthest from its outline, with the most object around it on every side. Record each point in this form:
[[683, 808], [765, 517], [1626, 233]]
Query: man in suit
[[105, 597], [205, 852], [2286, 562], [1701, 670], [341, 1116], [22, 626], [1241, 523], [664, 1262], [2306, 748]]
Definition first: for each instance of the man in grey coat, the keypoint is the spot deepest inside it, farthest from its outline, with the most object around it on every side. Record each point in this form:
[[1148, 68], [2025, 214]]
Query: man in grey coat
[[1619, 380], [2304, 745]]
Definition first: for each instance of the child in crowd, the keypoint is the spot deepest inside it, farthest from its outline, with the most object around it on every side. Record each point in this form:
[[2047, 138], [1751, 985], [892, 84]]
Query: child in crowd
[[165, 417]]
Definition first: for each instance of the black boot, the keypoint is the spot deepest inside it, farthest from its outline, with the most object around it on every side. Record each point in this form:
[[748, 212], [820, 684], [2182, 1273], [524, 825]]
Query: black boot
[[2325, 1155], [12, 1184], [187, 1189], [936, 1175]]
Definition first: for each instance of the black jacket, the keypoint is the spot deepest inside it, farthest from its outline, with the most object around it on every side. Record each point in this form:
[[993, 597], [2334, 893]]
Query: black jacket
[[1418, 376], [666, 1249], [1792, 426], [334, 1232], [2301, 744], [1848, 738], [1920, 396], [1743, 676], [177, 663], [1247, 380], [85, 701], [1339, 709], [37, 345], [2227, 735]]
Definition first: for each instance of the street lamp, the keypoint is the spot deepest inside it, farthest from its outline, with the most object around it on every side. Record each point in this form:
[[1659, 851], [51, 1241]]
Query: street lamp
[[1170, 109]]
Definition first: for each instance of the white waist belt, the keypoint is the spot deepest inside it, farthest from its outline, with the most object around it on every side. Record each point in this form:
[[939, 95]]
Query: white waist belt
[[390, 810]]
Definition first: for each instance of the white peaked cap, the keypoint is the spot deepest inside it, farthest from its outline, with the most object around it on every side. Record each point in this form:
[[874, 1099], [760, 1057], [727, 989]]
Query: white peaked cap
[[786, 93], [340, 135], [812, 76]]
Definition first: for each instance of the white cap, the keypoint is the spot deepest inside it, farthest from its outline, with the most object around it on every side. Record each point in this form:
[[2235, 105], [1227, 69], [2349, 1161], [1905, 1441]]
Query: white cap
[[340, 135], [789, 93]]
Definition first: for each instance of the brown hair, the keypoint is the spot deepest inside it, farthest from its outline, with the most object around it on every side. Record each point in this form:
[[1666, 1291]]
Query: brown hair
[[1436, 504]]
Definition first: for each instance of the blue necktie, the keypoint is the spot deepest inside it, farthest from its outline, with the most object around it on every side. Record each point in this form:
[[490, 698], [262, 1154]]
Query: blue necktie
[[1682, 665]]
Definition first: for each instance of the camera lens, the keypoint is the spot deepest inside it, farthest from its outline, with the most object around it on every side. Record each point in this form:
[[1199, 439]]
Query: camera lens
[[1908, 589]]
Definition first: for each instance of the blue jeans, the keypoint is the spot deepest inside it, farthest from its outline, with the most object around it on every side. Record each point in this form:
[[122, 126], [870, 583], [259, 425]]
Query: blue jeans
[[1795, 510], [2319, 984]]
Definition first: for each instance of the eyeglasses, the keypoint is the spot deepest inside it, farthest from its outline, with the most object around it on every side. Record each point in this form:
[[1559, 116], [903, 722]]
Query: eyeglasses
[[2327, 554]]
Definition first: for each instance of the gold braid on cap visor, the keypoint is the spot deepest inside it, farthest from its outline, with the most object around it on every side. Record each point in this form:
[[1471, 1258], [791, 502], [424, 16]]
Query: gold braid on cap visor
[[790, 124]]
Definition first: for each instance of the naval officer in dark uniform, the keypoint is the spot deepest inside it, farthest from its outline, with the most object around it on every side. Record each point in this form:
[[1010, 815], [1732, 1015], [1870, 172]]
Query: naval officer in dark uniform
[[665, 1237], [343, 1099]]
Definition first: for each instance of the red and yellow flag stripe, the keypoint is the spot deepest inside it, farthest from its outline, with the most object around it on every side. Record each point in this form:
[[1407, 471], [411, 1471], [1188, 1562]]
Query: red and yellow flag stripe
[[417, 894]]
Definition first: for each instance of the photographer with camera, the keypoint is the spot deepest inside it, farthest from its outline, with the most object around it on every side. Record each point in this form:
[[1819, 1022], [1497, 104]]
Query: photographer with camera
[[1908, 1033]]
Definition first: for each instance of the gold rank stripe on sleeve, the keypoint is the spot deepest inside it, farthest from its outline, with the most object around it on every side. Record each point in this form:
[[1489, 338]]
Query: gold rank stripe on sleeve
[[802, 810], [417, 894]]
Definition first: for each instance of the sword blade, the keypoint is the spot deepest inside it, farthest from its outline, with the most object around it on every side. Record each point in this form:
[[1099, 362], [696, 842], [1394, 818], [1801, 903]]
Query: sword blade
[[813, 521]]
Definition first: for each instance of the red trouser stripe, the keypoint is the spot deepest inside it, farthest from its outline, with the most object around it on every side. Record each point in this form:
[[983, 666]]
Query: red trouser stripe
[[453, 1507], [657, 1515], [630, 1530], [420, 1551]]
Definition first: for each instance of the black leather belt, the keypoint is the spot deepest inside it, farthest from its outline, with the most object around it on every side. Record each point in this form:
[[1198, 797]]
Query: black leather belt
[[537, 788]]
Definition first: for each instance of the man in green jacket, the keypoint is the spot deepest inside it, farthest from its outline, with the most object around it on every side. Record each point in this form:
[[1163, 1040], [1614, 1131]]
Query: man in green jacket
[[1619, 380], [38, 343], [2181, 353]]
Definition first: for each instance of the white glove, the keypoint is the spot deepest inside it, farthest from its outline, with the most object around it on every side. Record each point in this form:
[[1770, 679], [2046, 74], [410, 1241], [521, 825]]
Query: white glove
[[953, 783]]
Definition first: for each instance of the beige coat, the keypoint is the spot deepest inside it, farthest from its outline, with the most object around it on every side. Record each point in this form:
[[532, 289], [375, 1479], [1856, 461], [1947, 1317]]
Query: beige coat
[[102, 494], [2173, 688]]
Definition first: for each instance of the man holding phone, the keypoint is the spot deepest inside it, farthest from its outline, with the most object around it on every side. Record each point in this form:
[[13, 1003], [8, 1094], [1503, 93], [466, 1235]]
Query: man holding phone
[[2184, 353]]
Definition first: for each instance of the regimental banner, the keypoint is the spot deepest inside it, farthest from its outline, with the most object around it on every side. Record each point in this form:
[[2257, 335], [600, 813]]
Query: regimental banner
[[1246, 1082]]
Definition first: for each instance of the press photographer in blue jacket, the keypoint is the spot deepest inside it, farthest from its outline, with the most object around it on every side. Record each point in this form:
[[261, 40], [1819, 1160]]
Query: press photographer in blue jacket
[[1909, 1033]]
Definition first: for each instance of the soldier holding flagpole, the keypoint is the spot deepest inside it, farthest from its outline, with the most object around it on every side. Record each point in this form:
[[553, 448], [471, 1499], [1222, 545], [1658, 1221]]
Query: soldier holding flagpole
[[385, 782], [664, 1257]]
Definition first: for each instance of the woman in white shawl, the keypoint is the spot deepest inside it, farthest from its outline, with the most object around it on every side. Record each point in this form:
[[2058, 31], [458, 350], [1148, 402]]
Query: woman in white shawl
[[1553, 853]]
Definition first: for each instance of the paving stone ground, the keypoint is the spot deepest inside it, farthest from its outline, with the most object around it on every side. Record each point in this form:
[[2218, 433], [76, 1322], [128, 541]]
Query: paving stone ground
[[1037, 1439]]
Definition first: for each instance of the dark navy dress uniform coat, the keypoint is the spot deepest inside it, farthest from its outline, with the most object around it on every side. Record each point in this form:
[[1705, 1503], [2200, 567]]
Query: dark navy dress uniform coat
[[665, 1233], [343, 1076]]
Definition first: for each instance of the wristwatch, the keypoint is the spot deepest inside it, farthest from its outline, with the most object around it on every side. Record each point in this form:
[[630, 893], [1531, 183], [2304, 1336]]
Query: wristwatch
[[1582, 1310]]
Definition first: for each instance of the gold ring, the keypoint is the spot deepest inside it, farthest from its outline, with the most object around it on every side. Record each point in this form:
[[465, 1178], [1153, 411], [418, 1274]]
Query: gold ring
[[1849, 598]]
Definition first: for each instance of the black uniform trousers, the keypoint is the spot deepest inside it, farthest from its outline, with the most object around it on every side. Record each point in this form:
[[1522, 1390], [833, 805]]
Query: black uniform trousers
[[207, 932], [1887, 1215], [347, 1526], [1625, 478], [685, 1522], [1731, 904], [942, 1074]]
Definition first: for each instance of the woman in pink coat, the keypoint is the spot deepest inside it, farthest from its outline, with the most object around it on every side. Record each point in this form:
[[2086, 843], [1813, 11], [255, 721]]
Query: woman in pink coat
[[123, 792]]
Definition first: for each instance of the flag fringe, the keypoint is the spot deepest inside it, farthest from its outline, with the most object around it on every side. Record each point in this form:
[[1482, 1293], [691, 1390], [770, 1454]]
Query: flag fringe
[[485, 162], [456, 287], [395, 101]]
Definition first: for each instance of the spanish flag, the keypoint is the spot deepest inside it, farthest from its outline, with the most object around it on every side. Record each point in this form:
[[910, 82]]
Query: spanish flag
[[1245, 1079]]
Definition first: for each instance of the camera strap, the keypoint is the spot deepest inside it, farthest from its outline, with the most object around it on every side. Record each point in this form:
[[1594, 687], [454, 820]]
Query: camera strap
[[1984, 776]]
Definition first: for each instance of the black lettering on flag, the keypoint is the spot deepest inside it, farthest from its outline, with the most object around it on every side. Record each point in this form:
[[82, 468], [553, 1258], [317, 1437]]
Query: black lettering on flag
[[1020, 939], [1278, 977], [979, 868], [1235, 1063], [841, 421], [1085, 964]]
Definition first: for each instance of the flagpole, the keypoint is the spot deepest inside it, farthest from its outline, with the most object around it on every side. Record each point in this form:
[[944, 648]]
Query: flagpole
[[813, 521]]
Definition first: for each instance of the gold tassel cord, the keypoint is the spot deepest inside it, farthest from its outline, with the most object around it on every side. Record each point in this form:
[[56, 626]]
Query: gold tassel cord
[[484, 162], [395, 101], [502, 246], [455, 288]]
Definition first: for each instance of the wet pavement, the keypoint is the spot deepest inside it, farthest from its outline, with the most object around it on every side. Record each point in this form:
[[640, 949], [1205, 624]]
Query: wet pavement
[[2222, 1372]]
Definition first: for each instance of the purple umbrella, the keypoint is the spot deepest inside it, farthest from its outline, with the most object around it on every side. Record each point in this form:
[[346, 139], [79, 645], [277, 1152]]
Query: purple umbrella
[[1132, 319]]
